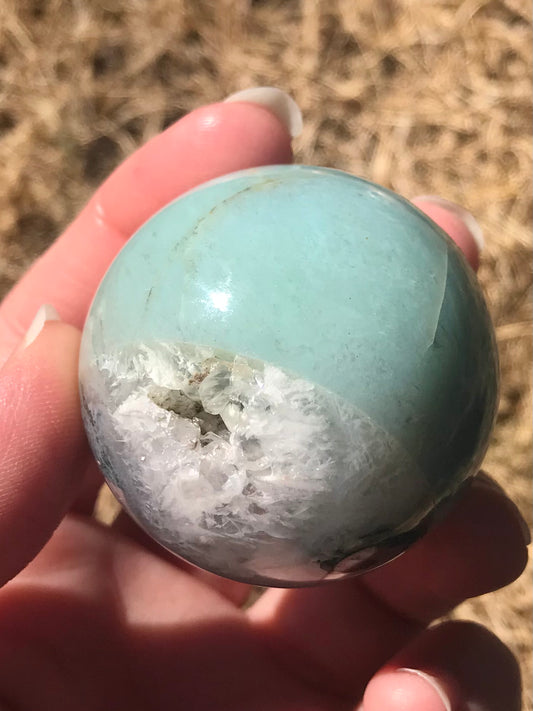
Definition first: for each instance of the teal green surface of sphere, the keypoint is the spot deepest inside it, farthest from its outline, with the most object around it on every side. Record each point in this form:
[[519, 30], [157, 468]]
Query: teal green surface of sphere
[[286, 372]]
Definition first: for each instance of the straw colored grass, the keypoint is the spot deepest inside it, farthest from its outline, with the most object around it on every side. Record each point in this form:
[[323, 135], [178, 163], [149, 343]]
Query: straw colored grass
[[423, 97]]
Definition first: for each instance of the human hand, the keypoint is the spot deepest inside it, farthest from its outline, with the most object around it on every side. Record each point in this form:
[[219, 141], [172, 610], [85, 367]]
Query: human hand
[[102, 618]]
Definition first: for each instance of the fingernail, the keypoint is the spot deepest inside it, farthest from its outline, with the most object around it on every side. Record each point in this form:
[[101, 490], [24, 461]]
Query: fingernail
[[46, 313], [275, 100], [433, 683], [466, 217]]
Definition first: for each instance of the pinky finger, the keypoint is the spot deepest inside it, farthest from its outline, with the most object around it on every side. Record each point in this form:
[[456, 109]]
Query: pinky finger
[[456, 666]]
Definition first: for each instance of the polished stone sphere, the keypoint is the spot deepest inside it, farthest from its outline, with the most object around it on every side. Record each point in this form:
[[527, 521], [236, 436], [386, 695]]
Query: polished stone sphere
[[287, 373]]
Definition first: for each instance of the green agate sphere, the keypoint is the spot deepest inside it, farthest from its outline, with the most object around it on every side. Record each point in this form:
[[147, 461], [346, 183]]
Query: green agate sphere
[[286, 372]]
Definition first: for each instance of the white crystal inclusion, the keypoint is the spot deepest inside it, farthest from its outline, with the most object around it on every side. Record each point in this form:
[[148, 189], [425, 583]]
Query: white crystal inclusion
[[242, 467]]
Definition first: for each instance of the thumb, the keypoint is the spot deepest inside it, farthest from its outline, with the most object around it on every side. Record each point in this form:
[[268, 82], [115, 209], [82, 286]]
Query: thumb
[[43, 450]]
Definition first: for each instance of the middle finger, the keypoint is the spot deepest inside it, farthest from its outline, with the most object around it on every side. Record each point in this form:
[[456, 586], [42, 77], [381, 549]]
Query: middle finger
[[339, 635]]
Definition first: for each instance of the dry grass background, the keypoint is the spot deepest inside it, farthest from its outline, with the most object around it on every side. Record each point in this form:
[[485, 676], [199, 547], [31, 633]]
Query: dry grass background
[[422, 96]]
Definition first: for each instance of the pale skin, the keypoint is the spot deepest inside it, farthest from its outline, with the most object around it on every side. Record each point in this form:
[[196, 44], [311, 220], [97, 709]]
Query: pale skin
[[96, 619]]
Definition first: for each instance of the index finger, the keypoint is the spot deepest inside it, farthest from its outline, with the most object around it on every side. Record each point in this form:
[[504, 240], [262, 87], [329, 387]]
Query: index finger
[[209, 142]]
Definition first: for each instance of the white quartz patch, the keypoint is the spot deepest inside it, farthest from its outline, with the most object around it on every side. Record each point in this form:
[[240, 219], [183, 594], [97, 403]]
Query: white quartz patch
[[243, 467]]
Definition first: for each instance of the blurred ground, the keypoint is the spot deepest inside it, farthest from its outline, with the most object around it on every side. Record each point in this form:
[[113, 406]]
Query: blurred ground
[[423, 97]]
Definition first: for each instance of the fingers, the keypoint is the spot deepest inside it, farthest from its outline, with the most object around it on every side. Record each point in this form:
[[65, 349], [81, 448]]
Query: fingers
[[235, 592], [457, 666], [344, 632], [459, 224], [96, 618], [207, 143], [478, 548], [43, 444]]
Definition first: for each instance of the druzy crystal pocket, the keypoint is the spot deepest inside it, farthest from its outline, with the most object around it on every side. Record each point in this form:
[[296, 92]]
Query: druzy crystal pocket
[[285, 373]]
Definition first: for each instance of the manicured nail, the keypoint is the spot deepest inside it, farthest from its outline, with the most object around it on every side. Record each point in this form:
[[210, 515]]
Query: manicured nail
[[275, 100], [434, 683], [466, 217], [44, 314]]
